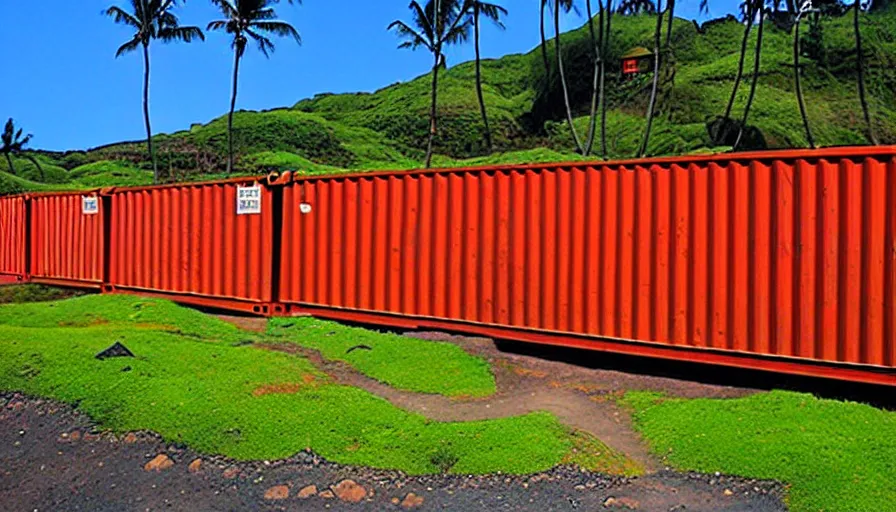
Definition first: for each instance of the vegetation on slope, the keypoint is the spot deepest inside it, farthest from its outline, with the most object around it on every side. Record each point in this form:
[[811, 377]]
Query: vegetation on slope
[[387, 129], [836, 456]]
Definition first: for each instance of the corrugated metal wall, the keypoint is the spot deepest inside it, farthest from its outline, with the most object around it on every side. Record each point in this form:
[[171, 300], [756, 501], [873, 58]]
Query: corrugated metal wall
[[66, 243], [783, 260], [189, 240], [12, 236], [791, 255]]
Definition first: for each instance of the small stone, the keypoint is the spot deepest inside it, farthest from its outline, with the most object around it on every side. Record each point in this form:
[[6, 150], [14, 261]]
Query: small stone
[[91, 437], [231, 473], [349, 491], [579, 487], [75, 436], [131, 438], [728, 492], [195, 466], [307, 492], [396, 501], [609, 502], [412, 501], [278, 492], [327, 495], [158, 464]]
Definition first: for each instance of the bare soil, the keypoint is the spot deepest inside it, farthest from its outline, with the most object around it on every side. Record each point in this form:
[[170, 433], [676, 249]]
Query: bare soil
[[54, 458]]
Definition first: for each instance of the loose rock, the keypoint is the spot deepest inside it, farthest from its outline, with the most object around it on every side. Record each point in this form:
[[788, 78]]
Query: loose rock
[[307, 492], [412, 501], [231, 473], [158, 464], [278, 492], [195, 466], [349, 491], [327, 495], [131, 438]]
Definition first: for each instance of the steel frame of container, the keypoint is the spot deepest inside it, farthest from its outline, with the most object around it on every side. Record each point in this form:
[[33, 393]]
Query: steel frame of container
[[782, 261]]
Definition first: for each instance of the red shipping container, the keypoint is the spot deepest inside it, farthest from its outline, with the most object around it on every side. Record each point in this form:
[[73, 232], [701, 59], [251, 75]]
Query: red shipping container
[[189, 243], [782, 260], [12, 239], [67, 239]]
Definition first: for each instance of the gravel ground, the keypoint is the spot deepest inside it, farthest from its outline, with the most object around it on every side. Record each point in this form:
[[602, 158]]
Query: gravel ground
[[53, 458]]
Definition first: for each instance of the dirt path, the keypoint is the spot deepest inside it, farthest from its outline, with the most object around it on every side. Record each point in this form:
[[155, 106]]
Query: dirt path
[[577, 396], [53, 458]]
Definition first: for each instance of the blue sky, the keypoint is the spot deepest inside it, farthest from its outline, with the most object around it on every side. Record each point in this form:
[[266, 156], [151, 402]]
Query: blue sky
[[62, 82]]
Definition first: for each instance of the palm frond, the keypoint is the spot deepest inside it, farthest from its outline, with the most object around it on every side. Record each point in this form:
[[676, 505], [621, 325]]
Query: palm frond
[[217, 25], [279, 28], [459, 33], [493, 12], [413, 38], [129, 46], [264, 44], [185, 34], [423, 22], [123, 17], [227, 8]]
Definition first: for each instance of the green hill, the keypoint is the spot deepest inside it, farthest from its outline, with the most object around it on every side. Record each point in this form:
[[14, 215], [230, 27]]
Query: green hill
[[387, 129]]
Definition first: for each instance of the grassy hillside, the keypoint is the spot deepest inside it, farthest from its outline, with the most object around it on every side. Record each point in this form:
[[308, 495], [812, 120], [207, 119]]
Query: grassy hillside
[[387, 129]]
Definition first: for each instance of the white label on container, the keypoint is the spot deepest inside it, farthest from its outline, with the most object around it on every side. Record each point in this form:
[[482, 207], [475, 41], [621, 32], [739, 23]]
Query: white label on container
[[90, 205], [248, 200], [305, 208]]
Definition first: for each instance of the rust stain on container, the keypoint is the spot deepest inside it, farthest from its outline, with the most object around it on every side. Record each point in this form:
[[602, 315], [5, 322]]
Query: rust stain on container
[[190, 242], [12, 239], [67, 239], [784, 260]]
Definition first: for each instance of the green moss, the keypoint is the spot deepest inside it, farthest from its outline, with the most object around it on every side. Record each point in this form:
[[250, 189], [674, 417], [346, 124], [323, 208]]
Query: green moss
[[242, 402], [117, 309], [402, 362], [836, 456]]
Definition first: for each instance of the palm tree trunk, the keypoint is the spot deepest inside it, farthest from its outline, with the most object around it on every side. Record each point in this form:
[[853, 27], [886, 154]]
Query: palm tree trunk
[[12, 168], [559, 56], [657, 63], [152, 154], [236, 74], [488, 133], [603, 75], [597, 45], [798, 82], [740, 68], [544, 41], [432, 108], [860, 73], [756, 67], [43, 176]]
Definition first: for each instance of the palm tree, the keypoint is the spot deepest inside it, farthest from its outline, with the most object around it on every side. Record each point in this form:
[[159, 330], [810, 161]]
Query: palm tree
[[657, 63], [597, 45], [757, 59], [749, 18], [860, 73], [602, 96], [440, 23], [493, 12], [566, 5], [151, 19], [796, 71], [544, 41], [246, 19], [14, 144]]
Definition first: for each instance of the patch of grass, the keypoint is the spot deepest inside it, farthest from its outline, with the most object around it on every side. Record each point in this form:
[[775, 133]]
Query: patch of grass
[[837, 456], [592, 454], [247, 403], [399, 361], [21, 293], [120, 309], [107, 173]]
